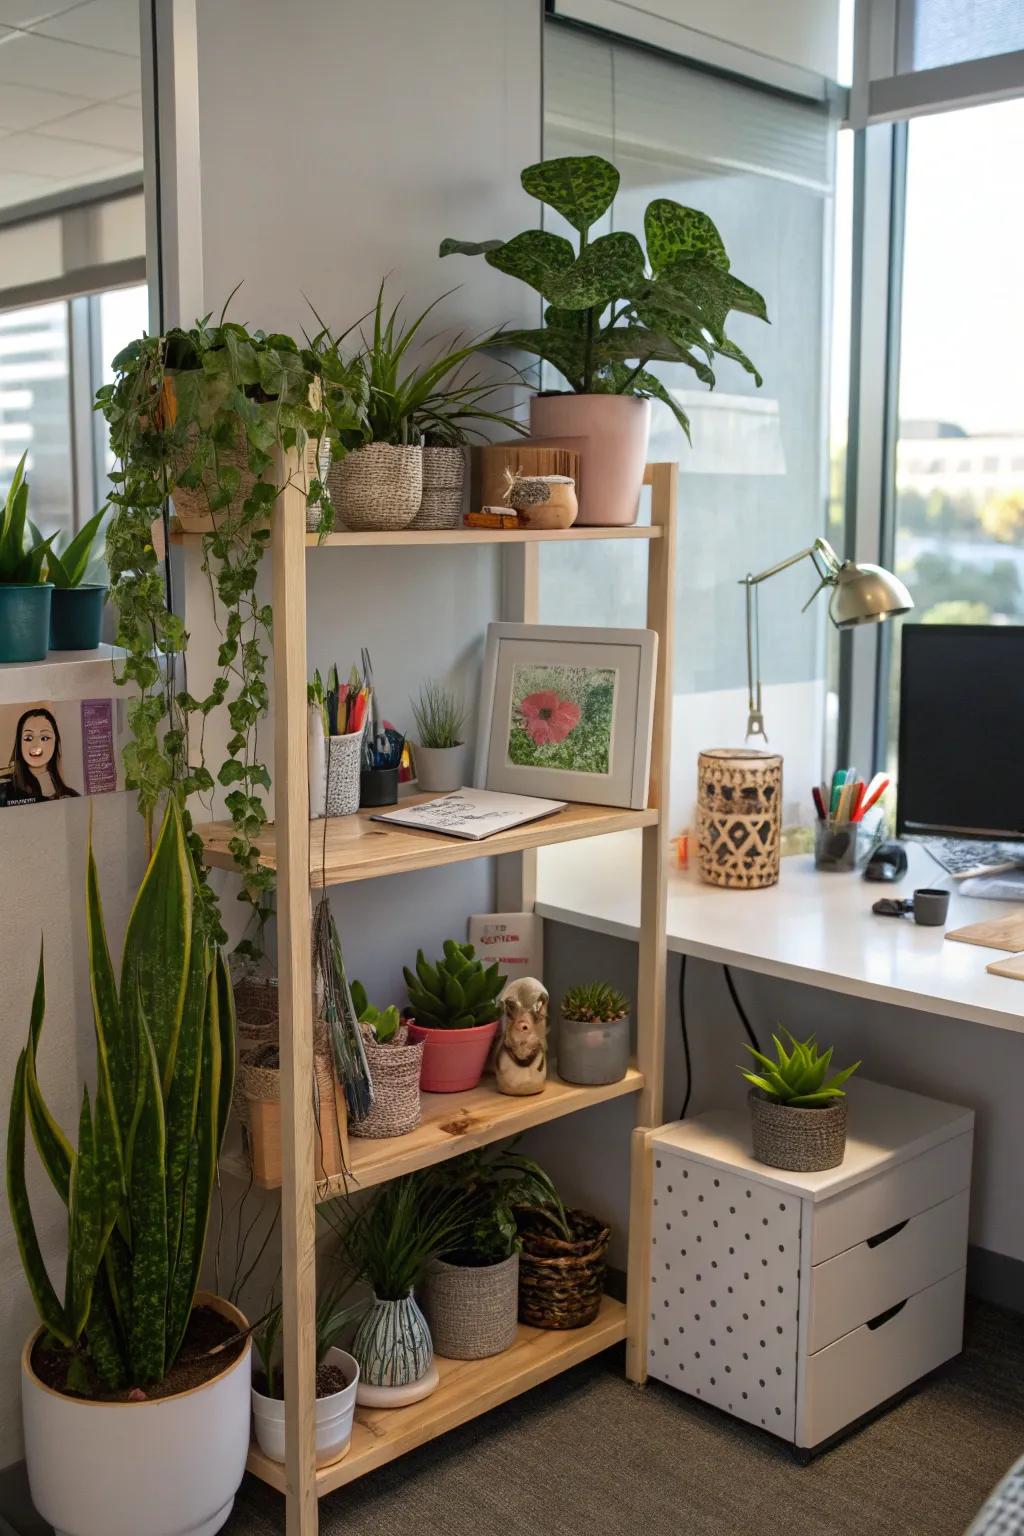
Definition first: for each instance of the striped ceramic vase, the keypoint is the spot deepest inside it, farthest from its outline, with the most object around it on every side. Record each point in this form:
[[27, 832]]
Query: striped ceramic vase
[[392, 1344]]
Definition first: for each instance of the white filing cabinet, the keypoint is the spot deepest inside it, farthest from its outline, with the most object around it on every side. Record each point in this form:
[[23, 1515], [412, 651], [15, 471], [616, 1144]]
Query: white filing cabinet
[[801, 1301]]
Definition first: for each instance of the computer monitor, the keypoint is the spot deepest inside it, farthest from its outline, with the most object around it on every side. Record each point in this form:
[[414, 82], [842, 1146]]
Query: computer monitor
[[961, 755]]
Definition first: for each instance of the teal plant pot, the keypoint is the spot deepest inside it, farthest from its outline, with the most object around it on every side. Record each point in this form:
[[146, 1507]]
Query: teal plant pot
[[24, 622], [76, 617]]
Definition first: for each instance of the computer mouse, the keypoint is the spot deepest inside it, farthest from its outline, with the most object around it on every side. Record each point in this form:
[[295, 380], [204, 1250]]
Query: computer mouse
[[888, 862]]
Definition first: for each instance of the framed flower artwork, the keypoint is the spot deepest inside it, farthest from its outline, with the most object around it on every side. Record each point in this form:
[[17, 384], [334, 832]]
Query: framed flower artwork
[[566, 713]]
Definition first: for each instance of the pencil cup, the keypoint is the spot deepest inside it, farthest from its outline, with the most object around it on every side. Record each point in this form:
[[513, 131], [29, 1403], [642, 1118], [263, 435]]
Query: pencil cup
[[378, 786], [843, 845], [343, 755]]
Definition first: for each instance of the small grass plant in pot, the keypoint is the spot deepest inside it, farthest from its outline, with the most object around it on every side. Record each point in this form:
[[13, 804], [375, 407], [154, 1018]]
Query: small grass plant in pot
[[386, 1242], [439, 750], [76, 608], [25, 596], [337, 1380], [797, 1110], [470, 1292], [454, 1006], [593, 1034], [395, 1063], [135, 1387], [612, 309]]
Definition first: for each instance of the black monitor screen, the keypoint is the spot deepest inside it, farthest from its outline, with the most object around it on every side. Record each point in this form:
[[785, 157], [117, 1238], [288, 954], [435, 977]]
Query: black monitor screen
[[961, 767]]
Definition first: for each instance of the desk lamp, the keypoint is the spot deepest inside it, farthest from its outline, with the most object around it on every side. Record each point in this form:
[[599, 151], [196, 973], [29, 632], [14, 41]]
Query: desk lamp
[[861, 594]]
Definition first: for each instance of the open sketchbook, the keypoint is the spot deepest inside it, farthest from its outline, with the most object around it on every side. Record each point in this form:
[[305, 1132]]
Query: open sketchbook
[[473, 813]]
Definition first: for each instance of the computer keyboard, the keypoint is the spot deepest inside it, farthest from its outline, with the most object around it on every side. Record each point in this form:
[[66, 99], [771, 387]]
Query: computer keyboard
[[961, 858]]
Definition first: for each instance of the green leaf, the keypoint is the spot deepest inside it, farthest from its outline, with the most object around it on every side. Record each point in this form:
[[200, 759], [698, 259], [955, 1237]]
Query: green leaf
[[148, 1215], [729, 349], [115, 1055], [73, 562], [155, 964], [606, 270], [646, 383], [91, 1212], [45, 1297], [562, 348], [579, 187], [55, 1151], [452, 247], [536, 257], [672, 232]]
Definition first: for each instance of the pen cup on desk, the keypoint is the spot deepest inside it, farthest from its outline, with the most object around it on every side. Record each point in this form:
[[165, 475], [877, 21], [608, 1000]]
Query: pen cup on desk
[[843, 845], [378, 786]]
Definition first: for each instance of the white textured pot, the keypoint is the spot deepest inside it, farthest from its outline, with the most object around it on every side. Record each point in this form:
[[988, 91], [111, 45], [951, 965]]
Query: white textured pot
[[334, 1416], [167, 1467], [441, 769], [613, 457], [380, 487]]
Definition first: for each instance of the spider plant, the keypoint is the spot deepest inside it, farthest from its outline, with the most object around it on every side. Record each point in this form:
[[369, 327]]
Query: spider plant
[[440, 716], [332, 1318], [388, 1240]]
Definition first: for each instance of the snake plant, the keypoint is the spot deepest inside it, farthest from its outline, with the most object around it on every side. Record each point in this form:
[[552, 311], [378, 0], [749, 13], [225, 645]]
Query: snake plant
[[139, 1184], [799, 1075]]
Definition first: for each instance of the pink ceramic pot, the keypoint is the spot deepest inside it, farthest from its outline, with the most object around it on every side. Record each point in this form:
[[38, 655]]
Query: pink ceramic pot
[[453, 1059], [613, 455]]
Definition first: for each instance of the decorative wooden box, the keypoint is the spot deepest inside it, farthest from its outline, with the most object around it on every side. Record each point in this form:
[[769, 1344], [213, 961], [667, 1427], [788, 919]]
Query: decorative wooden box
[[802, 1301]]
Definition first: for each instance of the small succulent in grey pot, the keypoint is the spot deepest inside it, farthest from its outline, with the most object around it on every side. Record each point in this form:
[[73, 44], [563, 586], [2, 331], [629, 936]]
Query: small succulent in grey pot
[[593, 1034]]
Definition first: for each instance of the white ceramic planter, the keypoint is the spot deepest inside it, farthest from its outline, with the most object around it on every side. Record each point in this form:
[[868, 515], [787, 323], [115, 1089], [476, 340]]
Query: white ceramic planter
[[334, 1416], [169, 1467], [441, 769]]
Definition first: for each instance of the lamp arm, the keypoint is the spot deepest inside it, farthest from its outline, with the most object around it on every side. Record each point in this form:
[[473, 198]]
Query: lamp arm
[[828, 565], [824, 558]]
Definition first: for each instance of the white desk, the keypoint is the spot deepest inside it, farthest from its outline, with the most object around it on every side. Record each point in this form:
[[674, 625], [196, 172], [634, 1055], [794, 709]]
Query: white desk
[[814, 928]]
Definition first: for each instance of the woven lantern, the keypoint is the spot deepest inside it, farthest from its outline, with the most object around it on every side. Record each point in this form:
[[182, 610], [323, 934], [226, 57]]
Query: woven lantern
[[739, 817]]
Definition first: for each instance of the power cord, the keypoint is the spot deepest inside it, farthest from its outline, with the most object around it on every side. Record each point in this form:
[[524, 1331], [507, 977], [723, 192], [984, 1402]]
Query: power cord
[[739, 1008], [730, 983]]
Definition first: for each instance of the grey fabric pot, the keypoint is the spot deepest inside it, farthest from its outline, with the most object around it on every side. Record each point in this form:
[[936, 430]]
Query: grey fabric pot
[[592, 1053], [800, 1140], [471, 1310]]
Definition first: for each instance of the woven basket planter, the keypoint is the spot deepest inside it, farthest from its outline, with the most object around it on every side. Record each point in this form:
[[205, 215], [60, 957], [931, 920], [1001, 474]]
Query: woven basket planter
[[444, 473], [800, 1140], [739, 817], [379, 487], [471, 1309], [561, 1283], [261, 1089], [395, 1074]]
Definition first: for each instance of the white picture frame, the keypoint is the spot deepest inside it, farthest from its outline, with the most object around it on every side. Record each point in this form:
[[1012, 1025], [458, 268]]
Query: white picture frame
[[615, 752]]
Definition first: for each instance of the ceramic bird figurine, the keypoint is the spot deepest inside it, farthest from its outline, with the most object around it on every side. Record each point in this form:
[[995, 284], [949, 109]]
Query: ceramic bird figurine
[[521, 1058]]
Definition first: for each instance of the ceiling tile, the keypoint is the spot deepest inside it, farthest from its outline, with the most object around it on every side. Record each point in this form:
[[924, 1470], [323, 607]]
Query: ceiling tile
[[24, 106], [16, 188], [57, 158], [115, 127], [112, 24], [26, 58]]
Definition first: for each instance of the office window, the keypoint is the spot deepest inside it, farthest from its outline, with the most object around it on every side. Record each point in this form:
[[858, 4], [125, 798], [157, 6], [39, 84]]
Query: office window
[[959, 535], [952, 31], [754, 486]]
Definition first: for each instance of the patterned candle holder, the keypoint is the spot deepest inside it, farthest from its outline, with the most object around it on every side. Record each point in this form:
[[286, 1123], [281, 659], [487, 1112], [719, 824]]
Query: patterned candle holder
[[739, 817]]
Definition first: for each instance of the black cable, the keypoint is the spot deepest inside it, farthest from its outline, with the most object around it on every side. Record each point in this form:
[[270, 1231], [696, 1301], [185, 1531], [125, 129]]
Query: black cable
[[686, 1038], [739, 1007]]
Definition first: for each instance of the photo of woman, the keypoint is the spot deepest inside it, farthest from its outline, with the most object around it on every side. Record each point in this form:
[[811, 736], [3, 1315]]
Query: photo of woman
[[35, 769]]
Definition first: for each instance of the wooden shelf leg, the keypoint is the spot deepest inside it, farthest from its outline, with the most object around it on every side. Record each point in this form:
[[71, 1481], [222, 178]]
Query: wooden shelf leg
[[295, 971], [638, 1282], [515, 881]]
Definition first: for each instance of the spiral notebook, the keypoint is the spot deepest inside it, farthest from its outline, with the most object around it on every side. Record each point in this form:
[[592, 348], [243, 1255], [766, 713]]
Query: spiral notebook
[[472, 813]]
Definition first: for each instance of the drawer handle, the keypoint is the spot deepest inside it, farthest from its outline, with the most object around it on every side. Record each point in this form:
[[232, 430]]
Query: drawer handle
[[883, 1237], [889, 1313]]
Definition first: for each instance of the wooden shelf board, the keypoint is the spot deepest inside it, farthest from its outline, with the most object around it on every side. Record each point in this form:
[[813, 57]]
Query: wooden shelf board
[[468, 1388], [453, 1123], [379, 539], [358, 848]]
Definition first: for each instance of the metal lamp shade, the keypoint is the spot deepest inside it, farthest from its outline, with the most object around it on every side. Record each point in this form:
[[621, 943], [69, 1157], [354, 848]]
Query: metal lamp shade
[[867, 594]]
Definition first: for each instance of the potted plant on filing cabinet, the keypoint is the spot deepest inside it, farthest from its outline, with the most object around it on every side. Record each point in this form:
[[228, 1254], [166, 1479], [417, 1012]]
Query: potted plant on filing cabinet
[[612, 309], [24, 596], [797, 1111], [454, 1006], [135, 1386]]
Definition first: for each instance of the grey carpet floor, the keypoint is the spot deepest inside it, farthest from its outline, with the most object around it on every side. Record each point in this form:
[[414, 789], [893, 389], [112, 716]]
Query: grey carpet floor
[[589, 1454]]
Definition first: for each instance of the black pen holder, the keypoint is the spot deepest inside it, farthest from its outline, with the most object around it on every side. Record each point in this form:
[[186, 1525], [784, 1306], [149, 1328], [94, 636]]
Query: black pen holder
[[843, 845], [378, 786]]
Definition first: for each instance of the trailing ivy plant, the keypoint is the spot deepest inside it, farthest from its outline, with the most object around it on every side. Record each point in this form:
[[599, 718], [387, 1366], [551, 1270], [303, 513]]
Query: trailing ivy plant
[[196, 409], [611, 306]]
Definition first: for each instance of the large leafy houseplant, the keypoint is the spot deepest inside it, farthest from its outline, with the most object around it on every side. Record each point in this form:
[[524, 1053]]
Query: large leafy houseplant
[[138, 1186], [204, 409], [613, 307]]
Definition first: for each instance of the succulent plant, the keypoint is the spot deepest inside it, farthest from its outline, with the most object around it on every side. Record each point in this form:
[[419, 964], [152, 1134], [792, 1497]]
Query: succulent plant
[[457, 992], [594, 1003], [383, 1021], [798, 1076]]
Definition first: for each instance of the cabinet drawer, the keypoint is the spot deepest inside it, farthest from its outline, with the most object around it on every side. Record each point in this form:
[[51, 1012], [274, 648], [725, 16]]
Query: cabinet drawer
[[904, 1191], [865, 1367], [865, 1280]]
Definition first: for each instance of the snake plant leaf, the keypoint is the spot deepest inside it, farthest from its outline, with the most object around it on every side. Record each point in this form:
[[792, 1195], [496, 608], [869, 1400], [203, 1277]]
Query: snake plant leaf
[[48, 1304], [672, 232], [579, 187], [452, 247], [602, 272], [104, 1337], [182, 1103], [536, 257], [90, 1217], [55, 1151], [115, 1071], [12, 523], [68, 567], [147, 1198], [202, 1173], [226, 1026], [157, 945]]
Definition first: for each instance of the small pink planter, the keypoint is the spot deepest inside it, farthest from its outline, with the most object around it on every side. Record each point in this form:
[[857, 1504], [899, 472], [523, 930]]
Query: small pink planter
[[453, 1059]]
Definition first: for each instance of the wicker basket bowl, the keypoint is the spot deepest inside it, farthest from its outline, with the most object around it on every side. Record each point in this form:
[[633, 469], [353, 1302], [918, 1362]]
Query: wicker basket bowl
[[395, 1074], [444, 471], [471, 1309], [379, 487], [560, 1283], [800, 1140]]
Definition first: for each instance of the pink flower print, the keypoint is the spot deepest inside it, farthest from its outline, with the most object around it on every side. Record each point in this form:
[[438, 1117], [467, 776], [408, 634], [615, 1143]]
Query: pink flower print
[[548, 718]]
